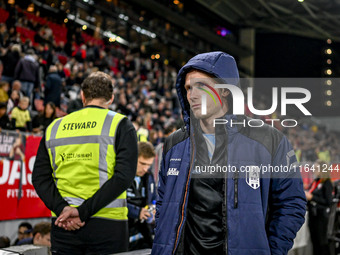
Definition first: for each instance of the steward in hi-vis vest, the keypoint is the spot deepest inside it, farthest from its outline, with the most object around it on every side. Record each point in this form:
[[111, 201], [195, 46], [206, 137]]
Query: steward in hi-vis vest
[[84, 165]]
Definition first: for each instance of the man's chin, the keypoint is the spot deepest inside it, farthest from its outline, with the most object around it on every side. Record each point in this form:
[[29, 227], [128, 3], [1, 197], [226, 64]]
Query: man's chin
[[198, 115]]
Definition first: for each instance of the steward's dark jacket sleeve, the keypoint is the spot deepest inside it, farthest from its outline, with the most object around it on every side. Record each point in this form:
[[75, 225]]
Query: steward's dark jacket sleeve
[[43, 181], [124, 172]]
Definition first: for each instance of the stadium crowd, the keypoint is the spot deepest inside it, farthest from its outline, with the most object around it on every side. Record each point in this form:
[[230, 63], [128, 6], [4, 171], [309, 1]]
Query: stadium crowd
[[51, 73]]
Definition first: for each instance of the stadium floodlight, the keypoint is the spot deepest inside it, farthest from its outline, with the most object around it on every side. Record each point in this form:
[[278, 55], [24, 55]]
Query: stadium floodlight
[[71, 16], [144, 31], [123, 17], [328, 92], [329, 72], [328, 51], [115, 37]]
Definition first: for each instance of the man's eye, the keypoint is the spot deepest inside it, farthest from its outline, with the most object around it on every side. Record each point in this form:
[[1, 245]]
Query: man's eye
[[199, 84]]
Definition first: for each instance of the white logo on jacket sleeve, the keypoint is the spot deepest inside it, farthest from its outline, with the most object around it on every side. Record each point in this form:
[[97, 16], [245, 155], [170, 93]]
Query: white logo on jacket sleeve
[[175, 159], [253, 176], [172, 171]]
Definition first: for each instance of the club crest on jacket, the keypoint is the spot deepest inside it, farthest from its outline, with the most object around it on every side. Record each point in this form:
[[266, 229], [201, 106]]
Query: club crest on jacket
[[253, 176]]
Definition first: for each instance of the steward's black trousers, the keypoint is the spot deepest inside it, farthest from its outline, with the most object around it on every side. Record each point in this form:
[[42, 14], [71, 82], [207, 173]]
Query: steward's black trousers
[[98, 236]]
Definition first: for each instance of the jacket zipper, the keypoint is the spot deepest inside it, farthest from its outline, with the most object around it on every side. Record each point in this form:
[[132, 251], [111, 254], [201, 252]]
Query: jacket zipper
[[235, 178], [185, 195]]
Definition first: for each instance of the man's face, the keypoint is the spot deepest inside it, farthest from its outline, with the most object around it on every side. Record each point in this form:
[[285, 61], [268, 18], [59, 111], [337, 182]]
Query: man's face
[[42, 240], [143, 165], [198, 84], [21, 233]]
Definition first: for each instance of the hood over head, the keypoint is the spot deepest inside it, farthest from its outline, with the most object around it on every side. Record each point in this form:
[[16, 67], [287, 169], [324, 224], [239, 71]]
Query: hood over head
[[217, 63]]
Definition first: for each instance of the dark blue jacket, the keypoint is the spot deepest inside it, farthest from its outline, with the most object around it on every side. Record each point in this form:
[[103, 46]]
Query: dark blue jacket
[[53, 89], [260, 219]]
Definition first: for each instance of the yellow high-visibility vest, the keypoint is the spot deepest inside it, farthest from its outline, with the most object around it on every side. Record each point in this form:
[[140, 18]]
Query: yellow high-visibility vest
[[142, 135], [324, 156], [83, 158]]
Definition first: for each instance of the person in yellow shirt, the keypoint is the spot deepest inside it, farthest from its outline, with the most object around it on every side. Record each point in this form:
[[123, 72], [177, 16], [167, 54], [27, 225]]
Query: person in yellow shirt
[[4, 87], [21, 117]]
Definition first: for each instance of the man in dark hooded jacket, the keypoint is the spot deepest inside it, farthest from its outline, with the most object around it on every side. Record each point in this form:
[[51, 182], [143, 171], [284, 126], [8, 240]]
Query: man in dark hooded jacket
[[53, 87], [239, 210], [27, 72]]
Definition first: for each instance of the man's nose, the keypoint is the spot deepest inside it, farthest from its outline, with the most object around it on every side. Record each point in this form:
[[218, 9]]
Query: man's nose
[[193, 94]]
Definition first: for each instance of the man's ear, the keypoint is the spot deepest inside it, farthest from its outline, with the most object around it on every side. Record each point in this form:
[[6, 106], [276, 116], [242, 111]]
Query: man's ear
[[112, 98], [225, 93], [82, 97], [37, 237]]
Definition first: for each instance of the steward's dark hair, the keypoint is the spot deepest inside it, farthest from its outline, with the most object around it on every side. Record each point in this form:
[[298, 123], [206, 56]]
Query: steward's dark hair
[[97, 85]]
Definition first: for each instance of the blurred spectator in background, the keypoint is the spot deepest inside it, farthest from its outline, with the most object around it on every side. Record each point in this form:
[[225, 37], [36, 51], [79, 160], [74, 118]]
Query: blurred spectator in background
[[53, 87], [41, 121], [21, 117], [141, 194], [41, 235], [10, 59], [319, 198], [13, 101], [16, 85], [4, 87], [102, 62], [18, 153], [4, 242], [61, 71], [323, 154], [21, 231], [2, 32], [4, 120], [27, 45], [74, 105], [27, 72], [142, 133]]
